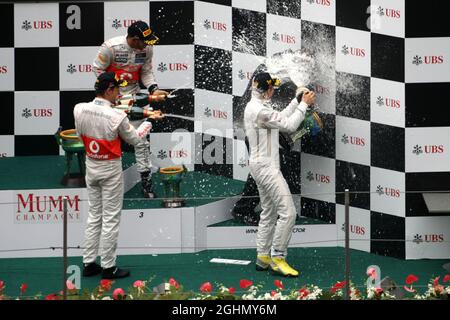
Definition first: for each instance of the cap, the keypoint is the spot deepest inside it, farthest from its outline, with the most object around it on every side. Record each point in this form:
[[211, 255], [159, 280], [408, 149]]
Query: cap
[[141, 30], [262, 81], [107, 80]]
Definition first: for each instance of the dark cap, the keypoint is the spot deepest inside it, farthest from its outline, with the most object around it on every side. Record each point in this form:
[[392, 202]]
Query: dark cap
[[107, 80], [141, 30], [262, 82]]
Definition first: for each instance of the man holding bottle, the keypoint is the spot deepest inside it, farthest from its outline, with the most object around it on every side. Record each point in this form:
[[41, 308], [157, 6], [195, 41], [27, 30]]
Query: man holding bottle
[[130, 57]]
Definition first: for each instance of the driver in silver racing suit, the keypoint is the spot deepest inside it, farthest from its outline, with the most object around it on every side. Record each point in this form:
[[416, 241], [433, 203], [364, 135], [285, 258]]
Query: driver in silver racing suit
[[130, 57], [101, 128], [262, 125]]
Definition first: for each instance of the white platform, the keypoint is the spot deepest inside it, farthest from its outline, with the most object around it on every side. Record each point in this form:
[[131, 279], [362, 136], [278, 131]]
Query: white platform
[[308, 235]]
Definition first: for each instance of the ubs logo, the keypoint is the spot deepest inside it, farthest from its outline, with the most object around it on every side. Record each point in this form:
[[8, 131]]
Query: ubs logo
[[433, 59], [243, 163], [117, 23], [326, 3], [321, 90], [388, 102], [318, 177], [285, 38], [433, 238], [172, 154], [175, 66], [359, 230], [244, 75], [37, 112], [428, 149], [3, 69], [38, 24], [219, 26], [214, 113], [357, 141], [72, 68], [389, 13], [356, 52], [389, 192]]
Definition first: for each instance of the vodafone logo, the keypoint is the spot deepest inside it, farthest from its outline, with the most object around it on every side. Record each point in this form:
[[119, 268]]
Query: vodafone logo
[[94, 146]]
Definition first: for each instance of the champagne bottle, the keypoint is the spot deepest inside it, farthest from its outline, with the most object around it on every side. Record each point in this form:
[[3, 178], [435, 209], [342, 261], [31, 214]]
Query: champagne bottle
[[139, 99], [137, 113], [312, 125]]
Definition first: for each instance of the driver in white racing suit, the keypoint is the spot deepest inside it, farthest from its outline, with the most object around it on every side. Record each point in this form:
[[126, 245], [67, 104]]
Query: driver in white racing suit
[[262, 125], [130, 57], [101, 128]]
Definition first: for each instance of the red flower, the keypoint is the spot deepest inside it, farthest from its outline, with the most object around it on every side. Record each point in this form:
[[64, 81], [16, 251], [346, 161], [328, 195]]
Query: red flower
[[279, 284], [232, 290], [409, 289], [303, 293], [23, 288], [118, 294], [411, 279], [206, 287], [2, 285], [447, 278], [106, 284], [174, 283], [70, 285], [372, 273], [52, 296], [338, 286], [436, 281], [244, 283], [273, 293], [378, 291], [139, 284]]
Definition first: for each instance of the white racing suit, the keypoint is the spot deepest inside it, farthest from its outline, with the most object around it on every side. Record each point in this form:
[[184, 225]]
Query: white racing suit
[[132, 65], [101, 128], [262, 126]]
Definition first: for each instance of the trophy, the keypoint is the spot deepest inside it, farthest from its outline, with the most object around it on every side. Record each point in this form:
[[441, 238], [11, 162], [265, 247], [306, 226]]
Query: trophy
[[171, 177], [72, 146]]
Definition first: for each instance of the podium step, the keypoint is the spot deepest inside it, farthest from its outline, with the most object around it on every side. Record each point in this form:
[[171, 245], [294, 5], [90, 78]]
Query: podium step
[[307, 232]]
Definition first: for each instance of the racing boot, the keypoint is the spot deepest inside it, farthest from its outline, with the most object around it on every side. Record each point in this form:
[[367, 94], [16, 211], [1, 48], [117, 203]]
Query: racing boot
[[263, 262], [281, 267], [147, 185], [91, 269], [115, 273]]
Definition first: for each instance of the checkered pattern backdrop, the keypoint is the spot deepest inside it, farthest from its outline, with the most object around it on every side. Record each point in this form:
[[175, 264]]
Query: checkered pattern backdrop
[[384, 96]]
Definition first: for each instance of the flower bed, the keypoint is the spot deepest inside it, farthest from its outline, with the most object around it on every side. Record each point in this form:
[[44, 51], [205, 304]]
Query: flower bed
[[172, 290]]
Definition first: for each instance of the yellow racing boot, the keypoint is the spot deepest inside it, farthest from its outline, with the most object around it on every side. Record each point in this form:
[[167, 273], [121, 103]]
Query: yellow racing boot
[[263, 262], [281, 267]]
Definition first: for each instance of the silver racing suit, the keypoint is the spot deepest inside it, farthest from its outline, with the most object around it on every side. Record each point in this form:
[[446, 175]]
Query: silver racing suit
[[131, 65], [262, 125], [101, 128]]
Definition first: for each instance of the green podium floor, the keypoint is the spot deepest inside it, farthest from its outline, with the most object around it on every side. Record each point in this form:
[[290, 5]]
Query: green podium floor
[[320, 266]]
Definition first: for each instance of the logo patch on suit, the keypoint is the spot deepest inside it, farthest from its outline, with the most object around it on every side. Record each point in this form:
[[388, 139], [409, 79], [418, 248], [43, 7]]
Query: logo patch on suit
[[140, 57], [121, 57]]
